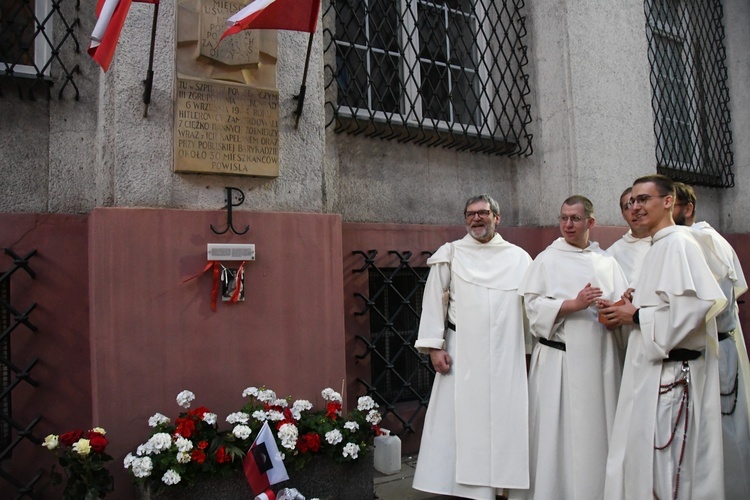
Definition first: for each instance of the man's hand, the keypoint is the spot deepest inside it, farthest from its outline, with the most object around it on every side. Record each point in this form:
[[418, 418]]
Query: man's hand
[[587, 296], [441, 361], [617, 315]]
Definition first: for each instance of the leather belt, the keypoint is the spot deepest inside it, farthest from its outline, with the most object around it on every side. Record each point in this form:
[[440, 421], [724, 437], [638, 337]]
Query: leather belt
[[683, 355], [552, 343], [725, 335]]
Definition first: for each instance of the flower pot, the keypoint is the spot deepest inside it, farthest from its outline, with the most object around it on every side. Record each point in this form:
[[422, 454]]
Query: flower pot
[[320, 478]]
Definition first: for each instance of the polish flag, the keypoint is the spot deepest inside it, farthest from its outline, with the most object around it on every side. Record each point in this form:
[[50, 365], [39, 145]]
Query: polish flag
[[292, 15], [110, 17], [262, 463]]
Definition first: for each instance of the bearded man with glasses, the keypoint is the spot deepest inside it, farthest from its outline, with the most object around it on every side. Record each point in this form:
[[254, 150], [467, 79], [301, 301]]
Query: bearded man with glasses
[[475, 435], [575, 366], [666, 441]]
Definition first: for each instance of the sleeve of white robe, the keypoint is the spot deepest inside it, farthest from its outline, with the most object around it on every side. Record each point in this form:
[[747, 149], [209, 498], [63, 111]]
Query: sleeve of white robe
[[542, 313], [669, 324], [432, 324]]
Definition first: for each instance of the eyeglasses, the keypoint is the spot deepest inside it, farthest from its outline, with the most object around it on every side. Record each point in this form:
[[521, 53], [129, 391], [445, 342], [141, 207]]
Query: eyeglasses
[[642, 199], [575, 219], [481, 213]]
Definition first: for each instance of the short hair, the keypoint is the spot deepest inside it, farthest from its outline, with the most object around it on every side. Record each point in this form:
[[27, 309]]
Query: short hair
[[627, 191], [483, 197], [577, 199], [685, 194], [663, 183]]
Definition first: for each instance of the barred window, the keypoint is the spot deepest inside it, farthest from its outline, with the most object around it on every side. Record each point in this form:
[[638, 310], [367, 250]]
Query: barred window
[[690, 94], [25, 32], [441, 72]]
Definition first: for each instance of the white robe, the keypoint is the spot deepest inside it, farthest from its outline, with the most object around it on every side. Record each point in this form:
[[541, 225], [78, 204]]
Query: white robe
[[572, 394], [734, 367], [475, 436], [629, 251], [677, 297]]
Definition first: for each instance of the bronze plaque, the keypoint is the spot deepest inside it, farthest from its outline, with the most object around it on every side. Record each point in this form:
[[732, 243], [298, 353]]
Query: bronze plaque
[[226, 129]]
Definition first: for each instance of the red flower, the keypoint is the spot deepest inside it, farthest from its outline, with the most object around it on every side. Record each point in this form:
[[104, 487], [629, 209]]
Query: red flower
[[333, 410], [202, 445], [98, 442], [222, 456], [198, 412], [198, 456], [185, 427], [70, 437], [309, 442]]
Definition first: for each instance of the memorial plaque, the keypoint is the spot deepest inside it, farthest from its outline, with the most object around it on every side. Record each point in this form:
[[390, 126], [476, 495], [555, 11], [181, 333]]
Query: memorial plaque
[[239, 49], [226, 129]]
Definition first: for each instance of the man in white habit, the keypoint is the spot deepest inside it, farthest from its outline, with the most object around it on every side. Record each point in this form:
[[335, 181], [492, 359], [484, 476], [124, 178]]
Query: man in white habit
[[475, 436], [667, 441], [734, 367], [575, 366], [629, 250]]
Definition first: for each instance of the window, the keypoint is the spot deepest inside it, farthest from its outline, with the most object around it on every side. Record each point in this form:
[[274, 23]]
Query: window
[[690, 94], [442, 72], [25, 37], [398, 375]]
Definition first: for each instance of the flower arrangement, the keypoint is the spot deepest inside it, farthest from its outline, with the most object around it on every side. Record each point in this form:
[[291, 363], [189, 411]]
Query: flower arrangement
[[82, 457], [193, 447]]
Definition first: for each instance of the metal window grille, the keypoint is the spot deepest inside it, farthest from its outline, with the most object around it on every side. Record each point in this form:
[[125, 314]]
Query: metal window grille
[[399, 373], [398, 300], [33, 34], [447, 73], [14, 433], [5, 380], [690, 93]]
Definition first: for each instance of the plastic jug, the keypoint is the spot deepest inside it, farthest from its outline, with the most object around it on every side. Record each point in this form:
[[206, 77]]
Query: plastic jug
[[387, 453]]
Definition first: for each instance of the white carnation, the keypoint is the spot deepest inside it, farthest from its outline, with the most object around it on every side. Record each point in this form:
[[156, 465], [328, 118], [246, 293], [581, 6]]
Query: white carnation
[[351, 449], [250, 391], [128, 462], [159, 442], [183, 457], [366, 403], [158, 419], [239, 417], [351, 426], [331, 395], [185, 398], [183, 444], [171, 477], [275, 416], [266, 396], [242, 431], [373, 418], [260, 415], [334, 436], [142, 466], [210, 418], [288, 435]]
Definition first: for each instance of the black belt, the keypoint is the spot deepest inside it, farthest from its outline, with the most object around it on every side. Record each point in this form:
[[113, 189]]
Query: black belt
[[552, 343], [683, 355], [450, 326], [724, 336]]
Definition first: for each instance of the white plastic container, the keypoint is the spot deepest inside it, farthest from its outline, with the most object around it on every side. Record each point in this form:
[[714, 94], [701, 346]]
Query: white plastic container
[[387, 455]]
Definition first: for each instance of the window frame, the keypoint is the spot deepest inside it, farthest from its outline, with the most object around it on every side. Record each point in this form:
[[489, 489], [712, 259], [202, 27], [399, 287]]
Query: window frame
[[42, 47], [408, 54]]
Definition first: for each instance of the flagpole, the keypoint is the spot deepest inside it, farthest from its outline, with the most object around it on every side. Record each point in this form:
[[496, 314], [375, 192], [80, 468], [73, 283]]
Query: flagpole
[[149, 81], [301, 96]]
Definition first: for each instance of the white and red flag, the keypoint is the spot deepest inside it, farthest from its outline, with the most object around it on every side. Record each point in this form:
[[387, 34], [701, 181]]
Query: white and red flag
[[292, 15], [262, 463], [110, 17]]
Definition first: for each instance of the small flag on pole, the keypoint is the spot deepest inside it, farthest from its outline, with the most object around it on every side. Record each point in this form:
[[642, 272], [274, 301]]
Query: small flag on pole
[[292, 15], [263, 464], [110, 18]]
